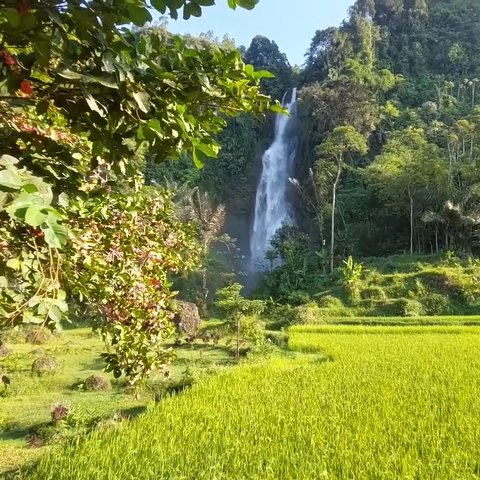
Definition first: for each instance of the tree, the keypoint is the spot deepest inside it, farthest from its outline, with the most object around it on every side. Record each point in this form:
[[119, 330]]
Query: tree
[[264, 54], [410, 175], [338, 146], [82, 98], [235, 307]]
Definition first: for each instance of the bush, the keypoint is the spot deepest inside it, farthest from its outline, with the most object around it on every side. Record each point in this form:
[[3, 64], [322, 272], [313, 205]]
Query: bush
[[5, 351], [280, 339], [279, 316], [187, 318], [372, 276], [96, 383], [309, 314], [373, 293], [253, 330], [45, 366], [411, 308], [59, 412], [298, 297], [436, 304], [38, 336], [329, 301], [12, 335], [401, 307]]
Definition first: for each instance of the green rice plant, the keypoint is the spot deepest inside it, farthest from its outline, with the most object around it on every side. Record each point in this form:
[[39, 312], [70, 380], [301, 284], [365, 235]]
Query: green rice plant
[[392, 403], [407, 321]]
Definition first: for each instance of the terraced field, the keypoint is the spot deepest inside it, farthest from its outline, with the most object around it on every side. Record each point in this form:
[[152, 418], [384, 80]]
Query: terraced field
[[347, 402]]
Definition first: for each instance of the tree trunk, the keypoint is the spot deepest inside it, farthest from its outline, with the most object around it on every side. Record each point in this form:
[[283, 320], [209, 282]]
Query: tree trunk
[[436, 238], [238, 337], [411, 223], [334, 204]]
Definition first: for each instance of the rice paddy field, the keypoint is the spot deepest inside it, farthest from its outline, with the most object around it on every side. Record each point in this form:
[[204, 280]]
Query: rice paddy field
[[345, 402]]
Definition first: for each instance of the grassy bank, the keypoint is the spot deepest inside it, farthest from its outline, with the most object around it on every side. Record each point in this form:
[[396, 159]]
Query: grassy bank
[[26, 403]]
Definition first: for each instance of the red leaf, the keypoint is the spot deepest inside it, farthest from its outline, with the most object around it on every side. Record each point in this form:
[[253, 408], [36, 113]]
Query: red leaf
[[6, 58], [25, 87]]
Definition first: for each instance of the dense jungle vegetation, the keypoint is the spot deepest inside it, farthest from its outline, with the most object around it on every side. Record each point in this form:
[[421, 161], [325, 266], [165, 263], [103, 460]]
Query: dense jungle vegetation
[[389, 101]]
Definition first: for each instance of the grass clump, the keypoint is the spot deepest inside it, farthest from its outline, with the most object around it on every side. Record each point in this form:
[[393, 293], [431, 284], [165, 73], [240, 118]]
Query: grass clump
[[373, 293], [5, 351], [96, 383], [309, 314], [38, 336], [46, 365], [329, 301]]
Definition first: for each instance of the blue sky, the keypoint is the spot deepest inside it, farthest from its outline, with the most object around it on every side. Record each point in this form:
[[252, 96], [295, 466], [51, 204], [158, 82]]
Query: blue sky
[[291, 23]]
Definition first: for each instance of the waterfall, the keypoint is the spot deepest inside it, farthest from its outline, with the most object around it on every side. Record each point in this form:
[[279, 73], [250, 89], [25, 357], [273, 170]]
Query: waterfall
[[272, 207]]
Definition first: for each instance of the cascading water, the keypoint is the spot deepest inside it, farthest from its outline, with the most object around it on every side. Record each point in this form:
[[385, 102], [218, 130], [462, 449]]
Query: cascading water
[[272, 207]]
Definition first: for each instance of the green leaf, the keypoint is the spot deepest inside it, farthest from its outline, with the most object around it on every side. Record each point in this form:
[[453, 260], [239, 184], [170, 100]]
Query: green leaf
[[12, 16], [159, 5], [55, 234], [55, 314], [30, 317], [250, 70], [14, 264], [105, 80], [22, 202], [92, 103], [143, 101], [61, 295], [63, 200], [259, 74], [34, 216], [232, 4], [192, 10], [205, 3], [28, 22], [10, 179], [139, 15], [69, 75], [8, 161], [197, 158], [277, 108], [3, 199], [155, 125], [247, 4], [209, 150]]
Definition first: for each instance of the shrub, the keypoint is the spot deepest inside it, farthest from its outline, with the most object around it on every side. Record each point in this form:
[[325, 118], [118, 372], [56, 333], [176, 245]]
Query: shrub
[[253, 330], [187, 318], [351, 273], [45, 365], [14, 335], [373, 293], [280, 339], [279, 316], [329, 301], [96, 383], [436, 304], [372, 276], [298, 297], [309, 314], [59, 412], [4, 351], [401, 307], [38, 336], [407, 307]]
